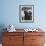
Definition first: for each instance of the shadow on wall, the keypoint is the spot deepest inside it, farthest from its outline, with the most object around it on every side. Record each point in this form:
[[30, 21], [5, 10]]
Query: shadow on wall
[[2, 26]]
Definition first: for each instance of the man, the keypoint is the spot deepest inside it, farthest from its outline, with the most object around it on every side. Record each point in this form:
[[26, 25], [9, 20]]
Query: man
[[28, 14]]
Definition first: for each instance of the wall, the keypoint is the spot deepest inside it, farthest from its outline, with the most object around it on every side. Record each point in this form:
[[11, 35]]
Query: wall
[[10, 13]]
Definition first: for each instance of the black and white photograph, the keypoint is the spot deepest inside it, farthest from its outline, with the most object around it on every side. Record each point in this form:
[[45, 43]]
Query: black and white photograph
[[26, 13]]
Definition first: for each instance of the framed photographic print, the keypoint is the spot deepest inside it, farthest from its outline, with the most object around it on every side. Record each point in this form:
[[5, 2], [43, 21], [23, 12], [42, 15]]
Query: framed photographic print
[[26, 13]]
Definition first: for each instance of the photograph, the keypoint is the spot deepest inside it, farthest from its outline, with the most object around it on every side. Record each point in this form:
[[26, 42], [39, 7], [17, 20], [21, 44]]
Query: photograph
[[26, 13]]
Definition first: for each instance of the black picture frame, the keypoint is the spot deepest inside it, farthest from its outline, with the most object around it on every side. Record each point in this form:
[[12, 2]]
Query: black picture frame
[[26, 13]]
